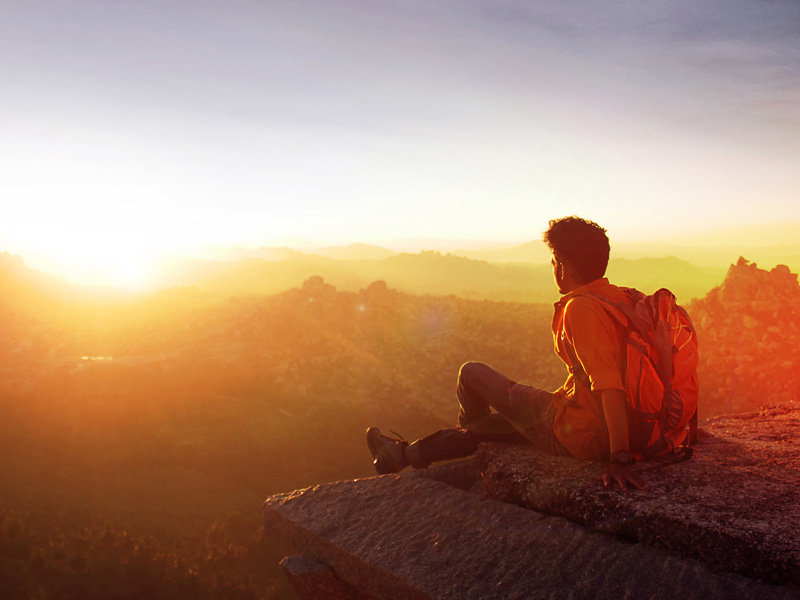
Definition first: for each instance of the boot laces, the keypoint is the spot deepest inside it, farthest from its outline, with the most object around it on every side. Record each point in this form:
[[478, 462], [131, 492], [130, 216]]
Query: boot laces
[[400, 437]]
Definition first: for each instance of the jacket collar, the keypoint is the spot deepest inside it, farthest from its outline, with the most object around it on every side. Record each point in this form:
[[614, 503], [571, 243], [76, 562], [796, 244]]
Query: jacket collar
[[595, 286]]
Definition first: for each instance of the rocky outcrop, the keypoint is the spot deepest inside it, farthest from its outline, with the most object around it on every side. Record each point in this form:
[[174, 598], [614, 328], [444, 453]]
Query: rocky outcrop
[[400, 537], [732, 506], [723, 525], [316, 288], [749, 334]]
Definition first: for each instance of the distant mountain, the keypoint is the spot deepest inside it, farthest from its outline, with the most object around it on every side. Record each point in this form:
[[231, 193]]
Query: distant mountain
[[517, 274], [265, 252], [434, 273], [713, 256], [530, 252], [784, 233], [354, 252], [270, 253], [431, 273], [424, 273], [30, 290], [14, 272], [682, 278], [703, 256], [438, 244]]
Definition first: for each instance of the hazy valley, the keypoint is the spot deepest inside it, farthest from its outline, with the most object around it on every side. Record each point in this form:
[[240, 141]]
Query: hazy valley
[[426, 273], [174, 414]]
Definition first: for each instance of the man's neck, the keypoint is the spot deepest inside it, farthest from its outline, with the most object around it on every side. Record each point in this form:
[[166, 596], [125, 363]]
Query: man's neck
[[579, 285]]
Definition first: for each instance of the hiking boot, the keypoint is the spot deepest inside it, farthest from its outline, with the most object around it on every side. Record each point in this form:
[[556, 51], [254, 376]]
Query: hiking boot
[[388, 454]]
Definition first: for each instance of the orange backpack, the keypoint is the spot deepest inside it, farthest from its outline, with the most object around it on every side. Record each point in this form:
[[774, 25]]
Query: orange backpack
[[661, 371]]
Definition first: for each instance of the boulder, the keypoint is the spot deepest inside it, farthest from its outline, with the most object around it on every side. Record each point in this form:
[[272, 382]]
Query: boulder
[[721, 525], [733, 506], [749, 335], [415, 538]]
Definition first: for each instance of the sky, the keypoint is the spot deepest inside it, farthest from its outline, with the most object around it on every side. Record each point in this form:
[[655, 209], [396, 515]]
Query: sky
[[130, 129]]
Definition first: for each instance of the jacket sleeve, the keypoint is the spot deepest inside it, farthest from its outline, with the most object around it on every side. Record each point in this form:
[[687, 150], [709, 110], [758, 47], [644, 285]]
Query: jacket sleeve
[[595, 338]]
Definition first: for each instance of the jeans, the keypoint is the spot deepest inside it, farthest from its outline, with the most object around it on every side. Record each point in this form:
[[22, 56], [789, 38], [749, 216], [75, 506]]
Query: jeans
[[521, 414]]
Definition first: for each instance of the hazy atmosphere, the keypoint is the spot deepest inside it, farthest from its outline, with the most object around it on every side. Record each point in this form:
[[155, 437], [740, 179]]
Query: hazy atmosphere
[[135, 129], [236, 234]]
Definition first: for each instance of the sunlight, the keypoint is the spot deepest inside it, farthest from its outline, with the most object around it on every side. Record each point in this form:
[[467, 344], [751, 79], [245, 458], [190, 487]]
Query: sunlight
[[132, 274], [91, 256], [109, 270]]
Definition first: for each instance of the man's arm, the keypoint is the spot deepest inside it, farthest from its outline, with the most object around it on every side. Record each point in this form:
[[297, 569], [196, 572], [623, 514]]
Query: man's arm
[[615, 410]]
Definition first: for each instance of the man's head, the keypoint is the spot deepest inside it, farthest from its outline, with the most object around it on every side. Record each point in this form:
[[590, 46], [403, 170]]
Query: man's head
[[580, 252]]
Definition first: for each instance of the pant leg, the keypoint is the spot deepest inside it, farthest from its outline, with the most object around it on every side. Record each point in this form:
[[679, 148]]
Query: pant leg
[[491, 403], [523, 414], [480, 388], [448, 444], [477, 388]]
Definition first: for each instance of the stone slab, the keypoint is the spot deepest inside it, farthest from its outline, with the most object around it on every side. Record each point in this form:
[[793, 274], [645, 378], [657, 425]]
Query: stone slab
[[735, 505], [405, 537], [313, 580]]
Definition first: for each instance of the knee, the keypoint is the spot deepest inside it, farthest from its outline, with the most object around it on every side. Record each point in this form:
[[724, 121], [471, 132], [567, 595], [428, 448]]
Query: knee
[[469, 371]]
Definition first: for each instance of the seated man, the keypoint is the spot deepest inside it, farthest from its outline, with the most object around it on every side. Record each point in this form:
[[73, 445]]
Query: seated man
[[587, 421]]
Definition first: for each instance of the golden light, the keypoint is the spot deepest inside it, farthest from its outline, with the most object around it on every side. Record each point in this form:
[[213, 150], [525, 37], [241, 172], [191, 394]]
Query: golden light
[[89, 254]]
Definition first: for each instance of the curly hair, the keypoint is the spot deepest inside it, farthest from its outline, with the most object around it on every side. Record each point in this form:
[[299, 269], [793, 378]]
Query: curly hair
[[583, 243]]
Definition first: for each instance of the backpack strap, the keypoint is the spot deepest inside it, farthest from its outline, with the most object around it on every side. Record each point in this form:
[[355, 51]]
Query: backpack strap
[[639, 317], [678, 455], [693, 429], [581, 378], [577, 368]]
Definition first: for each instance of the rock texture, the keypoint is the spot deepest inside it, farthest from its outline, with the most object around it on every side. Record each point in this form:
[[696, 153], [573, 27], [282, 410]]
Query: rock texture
[[312, 579], [749, 334], [734, 506], [411, 537]]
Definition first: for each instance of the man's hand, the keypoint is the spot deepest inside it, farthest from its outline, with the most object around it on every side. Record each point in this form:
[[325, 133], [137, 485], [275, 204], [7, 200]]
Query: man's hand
[[623, 476], [615, 411]]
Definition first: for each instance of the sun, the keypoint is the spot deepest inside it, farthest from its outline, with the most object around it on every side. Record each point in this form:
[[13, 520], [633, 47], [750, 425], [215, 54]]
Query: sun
[[117, 269], [133, 274], [92, 257]]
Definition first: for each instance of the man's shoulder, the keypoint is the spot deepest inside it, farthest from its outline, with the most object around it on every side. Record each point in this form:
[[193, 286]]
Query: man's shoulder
[[583, 307], [610, 291], [589, 295], [590, 305], [579, 303]]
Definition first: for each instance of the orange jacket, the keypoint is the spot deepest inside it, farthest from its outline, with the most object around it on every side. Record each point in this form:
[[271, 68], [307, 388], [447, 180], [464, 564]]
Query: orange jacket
[[583, 331]]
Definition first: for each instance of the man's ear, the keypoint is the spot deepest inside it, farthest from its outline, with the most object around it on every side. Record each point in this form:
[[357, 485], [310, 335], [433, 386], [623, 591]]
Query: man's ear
[[563, 268]]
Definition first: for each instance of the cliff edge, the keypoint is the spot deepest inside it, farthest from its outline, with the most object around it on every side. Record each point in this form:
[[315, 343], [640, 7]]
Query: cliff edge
[[724, 524]]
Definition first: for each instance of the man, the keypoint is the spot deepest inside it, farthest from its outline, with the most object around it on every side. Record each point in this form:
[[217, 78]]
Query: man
[[587, 417]]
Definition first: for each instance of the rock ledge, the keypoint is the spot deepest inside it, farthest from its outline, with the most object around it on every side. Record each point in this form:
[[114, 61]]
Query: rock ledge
[[723, 525]]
